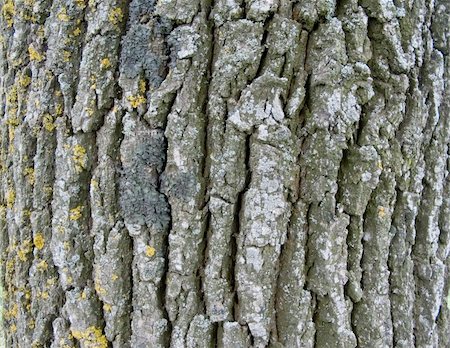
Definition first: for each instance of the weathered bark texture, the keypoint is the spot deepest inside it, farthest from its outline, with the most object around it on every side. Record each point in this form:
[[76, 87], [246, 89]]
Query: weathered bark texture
[[228, 173]]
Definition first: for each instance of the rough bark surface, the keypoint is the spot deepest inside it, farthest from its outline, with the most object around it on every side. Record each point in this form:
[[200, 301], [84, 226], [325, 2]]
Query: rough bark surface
[[229, 173]]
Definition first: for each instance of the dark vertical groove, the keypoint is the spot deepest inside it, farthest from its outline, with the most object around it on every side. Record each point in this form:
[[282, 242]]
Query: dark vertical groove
[[163, 286], [238, 208], [262, 61]]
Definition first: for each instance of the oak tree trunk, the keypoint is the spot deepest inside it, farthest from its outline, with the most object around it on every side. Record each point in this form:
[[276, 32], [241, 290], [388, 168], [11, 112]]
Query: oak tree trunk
[[228, 173]]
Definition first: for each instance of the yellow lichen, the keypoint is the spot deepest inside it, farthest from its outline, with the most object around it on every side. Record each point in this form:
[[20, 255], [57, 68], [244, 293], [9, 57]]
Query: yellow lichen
[[107, 307], [59, 109], [29, 17], [381, 212], [43, 294], [10, 264], [39, 241], [136, 101], [115, 15], [81, 4], [92, 337], [79, 157], [8, 12], [41, 31], [13, 328], [51, 281], [42, 266], [10, 198], [48, 123], [380, 165], [34, 55], [11, 96], [99, 289], [48, 190], [75, 213], [24, 80], [2, 212], [13, 121], [76, 32], [150, 251], [83, 295], [12, 312], [90, 111], [60, 229], [22, 255], [66, 56], [62, 15], [29, 174], [448, 299], [17, 62], [25, 248], [114, 277], [142, 86], [11, 136], [105, 63], [94, 183]]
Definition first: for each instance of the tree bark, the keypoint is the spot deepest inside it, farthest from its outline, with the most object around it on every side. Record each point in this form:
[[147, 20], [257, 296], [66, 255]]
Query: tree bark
[[229, 173]]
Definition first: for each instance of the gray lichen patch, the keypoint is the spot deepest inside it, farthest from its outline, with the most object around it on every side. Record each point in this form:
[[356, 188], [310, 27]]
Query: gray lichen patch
[[142, 156], [113, 284], [309, 12], [96, 80], [259, 10], [96, 84], [262, 231], [243, 37], [234, 335], [361, 172], [295, 324], [219, 294], [184, 41], [145, 211], [70, 209], [61, 333], [63, 54], [136, 56], [200, 333], [227, 10], [377, 237], [82, 308], [284, 46], [181, 11], [259, 104], [327, 272], [163, 97]]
